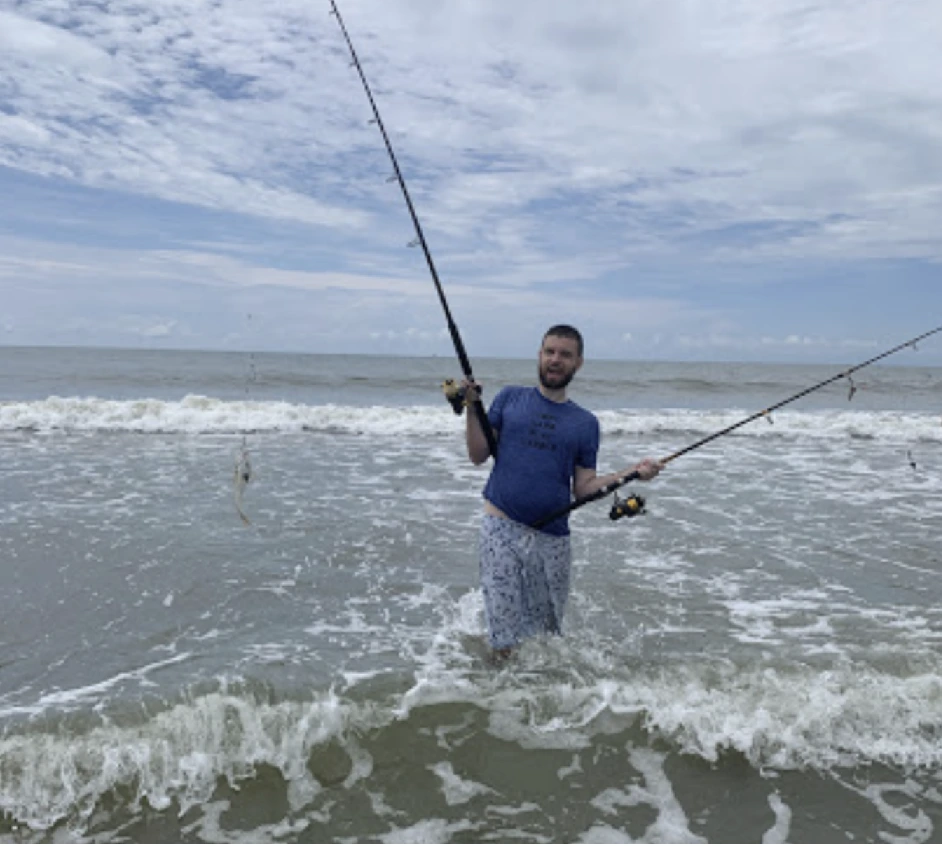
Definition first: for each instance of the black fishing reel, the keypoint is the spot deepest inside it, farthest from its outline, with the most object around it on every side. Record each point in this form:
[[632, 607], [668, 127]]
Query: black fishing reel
[[631, 506], [455, 394]]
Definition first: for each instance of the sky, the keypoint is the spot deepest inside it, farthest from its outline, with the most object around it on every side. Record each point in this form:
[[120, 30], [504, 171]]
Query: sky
[[725, 180]]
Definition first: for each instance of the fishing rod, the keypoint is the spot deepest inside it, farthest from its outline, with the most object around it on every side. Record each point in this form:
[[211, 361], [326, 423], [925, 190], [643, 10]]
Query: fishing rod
[[634, 505], [455, 395]]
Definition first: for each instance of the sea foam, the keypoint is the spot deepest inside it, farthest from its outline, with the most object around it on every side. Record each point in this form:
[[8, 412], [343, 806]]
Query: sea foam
[[197, 415]]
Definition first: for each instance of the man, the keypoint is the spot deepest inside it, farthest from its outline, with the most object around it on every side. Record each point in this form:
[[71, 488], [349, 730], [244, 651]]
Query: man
[[547, 448]]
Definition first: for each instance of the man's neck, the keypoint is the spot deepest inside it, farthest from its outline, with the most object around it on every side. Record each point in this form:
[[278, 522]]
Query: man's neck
[[552, 394]]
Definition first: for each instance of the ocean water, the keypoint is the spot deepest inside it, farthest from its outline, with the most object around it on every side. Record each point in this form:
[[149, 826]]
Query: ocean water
[[756, 659]]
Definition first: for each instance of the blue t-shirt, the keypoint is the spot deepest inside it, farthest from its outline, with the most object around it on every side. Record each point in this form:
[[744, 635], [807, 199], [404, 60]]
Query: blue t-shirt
[[541, 443]]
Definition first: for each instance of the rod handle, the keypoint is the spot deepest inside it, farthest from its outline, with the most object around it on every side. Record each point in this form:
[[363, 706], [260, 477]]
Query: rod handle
[[604, 491]]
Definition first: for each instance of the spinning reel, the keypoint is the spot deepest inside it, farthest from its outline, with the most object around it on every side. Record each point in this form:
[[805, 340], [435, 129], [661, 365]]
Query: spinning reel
[[455, 394], [631, 506]]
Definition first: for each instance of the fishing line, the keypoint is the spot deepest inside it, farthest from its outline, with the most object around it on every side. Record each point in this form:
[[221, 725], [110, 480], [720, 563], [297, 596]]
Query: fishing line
[[243, 466], [635, 504], [420, 238]]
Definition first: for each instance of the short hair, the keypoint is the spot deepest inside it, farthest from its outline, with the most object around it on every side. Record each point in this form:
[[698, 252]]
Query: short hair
[[562, 330]]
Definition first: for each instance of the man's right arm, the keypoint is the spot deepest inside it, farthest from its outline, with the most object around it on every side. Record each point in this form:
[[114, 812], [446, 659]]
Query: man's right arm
[[478, 449]]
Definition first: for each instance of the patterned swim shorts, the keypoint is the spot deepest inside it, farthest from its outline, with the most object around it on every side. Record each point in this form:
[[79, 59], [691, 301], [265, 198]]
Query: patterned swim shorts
[[525, 580]]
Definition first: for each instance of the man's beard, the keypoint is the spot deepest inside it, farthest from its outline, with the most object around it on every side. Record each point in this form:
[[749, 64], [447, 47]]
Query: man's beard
[[555, 382]]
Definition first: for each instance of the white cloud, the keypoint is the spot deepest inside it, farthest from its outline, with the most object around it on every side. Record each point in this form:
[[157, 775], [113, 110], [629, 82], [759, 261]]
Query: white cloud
[[581, 158], [159, 330], [747, 112]]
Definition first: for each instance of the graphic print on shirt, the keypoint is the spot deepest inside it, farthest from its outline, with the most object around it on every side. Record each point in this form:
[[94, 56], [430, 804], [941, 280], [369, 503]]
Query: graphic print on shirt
[[541, 432]]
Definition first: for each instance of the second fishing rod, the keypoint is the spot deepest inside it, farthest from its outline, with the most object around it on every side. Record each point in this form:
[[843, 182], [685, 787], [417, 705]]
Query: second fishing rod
[[452, 392], [634, 505]]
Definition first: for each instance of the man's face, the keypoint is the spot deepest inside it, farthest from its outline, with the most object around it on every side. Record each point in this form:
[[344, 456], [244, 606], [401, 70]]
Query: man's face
[[559, 361]]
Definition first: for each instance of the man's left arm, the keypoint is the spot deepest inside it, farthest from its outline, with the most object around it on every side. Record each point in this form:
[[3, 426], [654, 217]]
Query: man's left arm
[[586, 481]]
